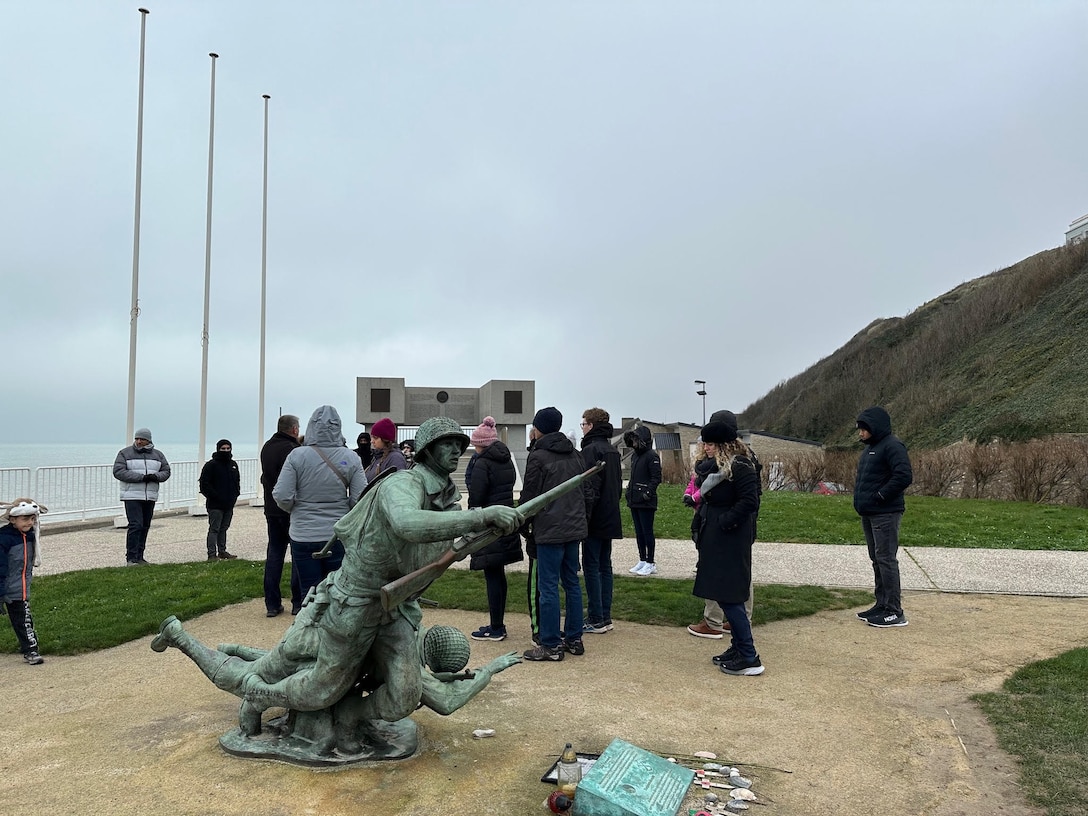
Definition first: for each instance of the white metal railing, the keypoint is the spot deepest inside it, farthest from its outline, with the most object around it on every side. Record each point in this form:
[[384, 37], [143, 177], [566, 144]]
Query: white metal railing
[[14, 483], [81, 492]]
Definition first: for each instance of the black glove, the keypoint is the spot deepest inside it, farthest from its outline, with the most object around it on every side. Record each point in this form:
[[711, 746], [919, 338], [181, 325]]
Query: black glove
[[150, 477], [688, 500]]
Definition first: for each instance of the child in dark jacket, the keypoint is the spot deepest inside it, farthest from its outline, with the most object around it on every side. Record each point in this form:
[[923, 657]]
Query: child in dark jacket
[[18, 557]]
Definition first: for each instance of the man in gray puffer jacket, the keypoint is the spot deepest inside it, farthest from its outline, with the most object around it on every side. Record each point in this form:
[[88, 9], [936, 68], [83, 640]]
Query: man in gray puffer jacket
[[141, 469], [319, 483]]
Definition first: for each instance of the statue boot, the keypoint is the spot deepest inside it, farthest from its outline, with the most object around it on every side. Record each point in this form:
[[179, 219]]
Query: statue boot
[[226, 671], [257, 697]]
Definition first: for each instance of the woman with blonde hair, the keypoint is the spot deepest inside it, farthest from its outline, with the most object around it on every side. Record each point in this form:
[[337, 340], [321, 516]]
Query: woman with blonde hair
[[723, 531]]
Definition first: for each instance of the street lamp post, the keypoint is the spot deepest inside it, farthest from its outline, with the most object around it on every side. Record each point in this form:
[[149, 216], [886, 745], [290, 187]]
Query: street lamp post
[[702, 393]]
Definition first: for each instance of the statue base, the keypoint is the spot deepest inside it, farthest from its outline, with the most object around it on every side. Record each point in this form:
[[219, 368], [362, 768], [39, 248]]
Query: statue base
[[293, 738]]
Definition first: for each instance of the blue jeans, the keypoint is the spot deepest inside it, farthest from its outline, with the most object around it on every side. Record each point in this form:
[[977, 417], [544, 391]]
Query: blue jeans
[[882, 539], [740, 630], [558, 563], [274, 556], [139, 514], [597, 569], [311, 571], [643, 519]]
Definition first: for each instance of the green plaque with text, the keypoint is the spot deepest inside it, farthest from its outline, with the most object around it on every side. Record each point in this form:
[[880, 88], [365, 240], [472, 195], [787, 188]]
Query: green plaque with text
[[628, 781]]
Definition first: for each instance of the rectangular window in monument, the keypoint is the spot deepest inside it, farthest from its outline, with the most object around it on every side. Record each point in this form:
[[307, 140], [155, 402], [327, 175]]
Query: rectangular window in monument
[[512, 402], [379, 400]]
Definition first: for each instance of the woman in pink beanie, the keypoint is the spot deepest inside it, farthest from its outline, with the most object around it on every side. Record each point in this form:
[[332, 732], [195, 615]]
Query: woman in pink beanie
[[383, 442], [492, 483]]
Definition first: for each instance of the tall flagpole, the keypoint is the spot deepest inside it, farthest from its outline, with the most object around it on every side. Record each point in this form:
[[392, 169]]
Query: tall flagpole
[[264, 283], [207, 270], [134, 309]]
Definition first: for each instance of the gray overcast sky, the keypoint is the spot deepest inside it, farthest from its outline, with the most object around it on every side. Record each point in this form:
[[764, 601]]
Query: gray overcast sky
[[611, 198]]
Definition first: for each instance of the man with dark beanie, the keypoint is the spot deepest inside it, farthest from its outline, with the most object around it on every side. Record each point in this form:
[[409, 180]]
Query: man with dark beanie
[[603, 493], [557, 531], [884, 472]]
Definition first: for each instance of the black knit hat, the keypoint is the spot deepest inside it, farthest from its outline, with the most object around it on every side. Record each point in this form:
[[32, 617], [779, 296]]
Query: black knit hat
[[548, 420], [718, 432]]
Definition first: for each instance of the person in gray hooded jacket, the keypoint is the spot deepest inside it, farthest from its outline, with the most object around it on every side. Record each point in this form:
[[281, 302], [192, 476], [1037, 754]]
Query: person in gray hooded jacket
[[141, 469], [320, 482]]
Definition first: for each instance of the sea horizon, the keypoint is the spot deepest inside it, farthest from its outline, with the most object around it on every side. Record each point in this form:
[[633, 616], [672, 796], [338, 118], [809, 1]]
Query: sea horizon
[[35, 455]]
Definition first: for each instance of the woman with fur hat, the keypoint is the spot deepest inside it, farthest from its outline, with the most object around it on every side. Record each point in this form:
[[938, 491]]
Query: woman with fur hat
[[492, 483], [383, 441], [723, 531], [18, 557]]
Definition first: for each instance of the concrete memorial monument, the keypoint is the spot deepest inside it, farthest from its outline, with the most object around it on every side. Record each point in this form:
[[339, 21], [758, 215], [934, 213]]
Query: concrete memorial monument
[[356, 661]]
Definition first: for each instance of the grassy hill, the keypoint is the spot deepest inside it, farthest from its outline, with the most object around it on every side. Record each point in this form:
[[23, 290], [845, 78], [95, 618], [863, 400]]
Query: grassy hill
[[1004, 355]]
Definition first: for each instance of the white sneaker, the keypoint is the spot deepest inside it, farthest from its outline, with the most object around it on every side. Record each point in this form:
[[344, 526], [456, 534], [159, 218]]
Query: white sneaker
[[647, 569], [638, 568]]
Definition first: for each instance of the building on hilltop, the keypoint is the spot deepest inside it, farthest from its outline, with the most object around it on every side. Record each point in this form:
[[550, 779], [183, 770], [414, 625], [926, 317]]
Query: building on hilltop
[[1078, 231]]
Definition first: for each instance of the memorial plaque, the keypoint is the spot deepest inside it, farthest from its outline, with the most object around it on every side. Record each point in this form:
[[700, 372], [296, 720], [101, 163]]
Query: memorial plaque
[[628, 781]]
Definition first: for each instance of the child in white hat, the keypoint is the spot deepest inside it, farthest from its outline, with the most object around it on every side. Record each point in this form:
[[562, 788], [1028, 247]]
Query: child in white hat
[[18, 557]]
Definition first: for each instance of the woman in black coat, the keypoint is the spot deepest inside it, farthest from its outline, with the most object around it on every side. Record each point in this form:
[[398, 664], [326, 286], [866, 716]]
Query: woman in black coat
[[492, 482], [642, 496], [723, 530]]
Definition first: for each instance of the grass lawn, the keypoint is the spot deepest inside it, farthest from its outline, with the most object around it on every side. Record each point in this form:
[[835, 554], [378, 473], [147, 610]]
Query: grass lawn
[[1040, 717], [928, 522]]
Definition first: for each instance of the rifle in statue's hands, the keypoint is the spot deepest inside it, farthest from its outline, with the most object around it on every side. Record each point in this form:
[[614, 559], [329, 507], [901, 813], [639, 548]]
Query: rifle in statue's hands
[[402, 589]]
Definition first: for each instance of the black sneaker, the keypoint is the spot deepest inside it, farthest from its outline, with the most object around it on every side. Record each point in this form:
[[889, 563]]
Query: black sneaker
[[887, 620], [488, 633], [271, 613], [728, 654], [213, 557], [575, 647], [226, 556], [33, 658], [739, 666], [593, 627], [868, 613], [544, 653]]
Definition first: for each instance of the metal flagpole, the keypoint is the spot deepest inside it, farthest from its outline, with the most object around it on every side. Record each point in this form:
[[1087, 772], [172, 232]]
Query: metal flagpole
[[134, 309], [207, 270], [264, 284]]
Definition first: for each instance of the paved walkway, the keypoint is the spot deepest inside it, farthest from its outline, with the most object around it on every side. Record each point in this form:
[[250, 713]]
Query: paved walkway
[[180, 537]]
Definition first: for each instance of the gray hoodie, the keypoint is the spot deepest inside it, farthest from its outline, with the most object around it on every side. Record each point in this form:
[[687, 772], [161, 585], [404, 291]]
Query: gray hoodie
[[308, 488]]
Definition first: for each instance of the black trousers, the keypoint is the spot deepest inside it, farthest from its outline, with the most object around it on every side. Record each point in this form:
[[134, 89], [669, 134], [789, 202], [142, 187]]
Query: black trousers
[[139, 514], [23, 624]]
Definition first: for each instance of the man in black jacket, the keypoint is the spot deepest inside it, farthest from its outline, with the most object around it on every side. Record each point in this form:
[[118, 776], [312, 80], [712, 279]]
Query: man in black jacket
[[884, 472], [557, 530], [273, 455], [602, 496], [220, 484]]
